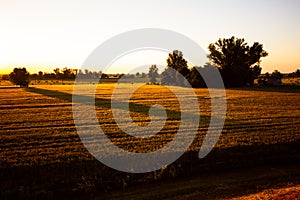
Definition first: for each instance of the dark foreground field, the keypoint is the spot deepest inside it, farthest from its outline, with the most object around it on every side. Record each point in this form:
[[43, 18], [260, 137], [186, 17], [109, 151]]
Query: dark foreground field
[[42, 156]]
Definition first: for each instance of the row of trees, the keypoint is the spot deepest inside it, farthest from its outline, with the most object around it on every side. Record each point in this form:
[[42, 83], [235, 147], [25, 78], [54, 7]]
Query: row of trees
[[178, 73], [20, 76], [57, 74], [238, 63], [70, 74], [294, 74]]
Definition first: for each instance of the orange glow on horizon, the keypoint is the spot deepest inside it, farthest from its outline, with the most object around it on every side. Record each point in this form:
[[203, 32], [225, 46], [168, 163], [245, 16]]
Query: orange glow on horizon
[[285, 64], [268, 64], [5, 70]]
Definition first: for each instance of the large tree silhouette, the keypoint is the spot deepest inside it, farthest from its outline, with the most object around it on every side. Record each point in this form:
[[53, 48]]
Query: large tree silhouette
[[176, 70], [238, 63], [20, 77]]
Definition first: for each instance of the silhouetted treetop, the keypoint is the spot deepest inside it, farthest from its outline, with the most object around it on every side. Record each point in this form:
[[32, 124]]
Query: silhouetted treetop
[[20, 77], [176, 70], [238, 62]]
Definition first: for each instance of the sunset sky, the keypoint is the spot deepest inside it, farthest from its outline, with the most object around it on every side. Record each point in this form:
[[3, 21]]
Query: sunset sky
[[43, 35]]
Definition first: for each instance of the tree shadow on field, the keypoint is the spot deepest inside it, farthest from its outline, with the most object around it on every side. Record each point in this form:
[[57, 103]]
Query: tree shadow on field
[[119, 137], [106, 103], [84, 176]]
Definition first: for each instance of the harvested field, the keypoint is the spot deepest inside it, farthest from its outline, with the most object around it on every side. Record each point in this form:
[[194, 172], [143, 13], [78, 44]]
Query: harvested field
[[42, 154]]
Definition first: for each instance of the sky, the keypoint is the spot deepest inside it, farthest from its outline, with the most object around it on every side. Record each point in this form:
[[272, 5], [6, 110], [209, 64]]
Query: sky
[[43, 35]]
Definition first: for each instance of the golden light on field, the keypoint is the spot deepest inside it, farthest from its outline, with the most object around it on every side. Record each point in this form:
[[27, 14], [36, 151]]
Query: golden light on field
[[253, 118], [40, 146], [43, 154]]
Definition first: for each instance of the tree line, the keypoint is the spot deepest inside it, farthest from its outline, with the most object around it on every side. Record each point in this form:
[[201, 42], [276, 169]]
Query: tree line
[[237, 62]]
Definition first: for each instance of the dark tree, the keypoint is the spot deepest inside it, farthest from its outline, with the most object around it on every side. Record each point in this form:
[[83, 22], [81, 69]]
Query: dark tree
[[143, 75], [177, 69], [104, 76], [195, 79], [68, 73], [20, 77], [153, 73], [277, 74], [238, 63], [40, 74], [256, 70], [137, 74], [58, 74], [297, 72], [5, 77]]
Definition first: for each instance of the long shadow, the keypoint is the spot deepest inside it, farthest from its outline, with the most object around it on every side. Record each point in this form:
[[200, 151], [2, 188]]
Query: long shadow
[[62, 177], [68, 97], [173, 116], [106, 103]]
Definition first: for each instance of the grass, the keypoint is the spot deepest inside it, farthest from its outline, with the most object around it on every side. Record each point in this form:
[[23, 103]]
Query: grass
[[258, 183], [42, 155]]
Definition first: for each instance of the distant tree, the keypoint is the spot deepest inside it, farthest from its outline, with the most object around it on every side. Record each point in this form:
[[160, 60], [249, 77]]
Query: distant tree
[[153, 73], [238, 63], [86, 71], [137, 74], [295, 74], [93, 75], [49, 76], [143, 75], [68, 73], [81, 74], [89, 74], [5, 77], [103, 76], [275, 78], [58, 74], [100, 74], [177, 69], [20, 77], [33, 77], [75, 72], [277, 74], [56, 70], [40, 74]]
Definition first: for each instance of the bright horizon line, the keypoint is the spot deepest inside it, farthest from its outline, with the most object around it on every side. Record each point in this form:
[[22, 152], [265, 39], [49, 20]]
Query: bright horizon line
[[30, 69]]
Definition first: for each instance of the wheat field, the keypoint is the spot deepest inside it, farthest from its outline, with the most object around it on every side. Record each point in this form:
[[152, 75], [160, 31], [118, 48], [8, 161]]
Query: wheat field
[[40, 147]]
